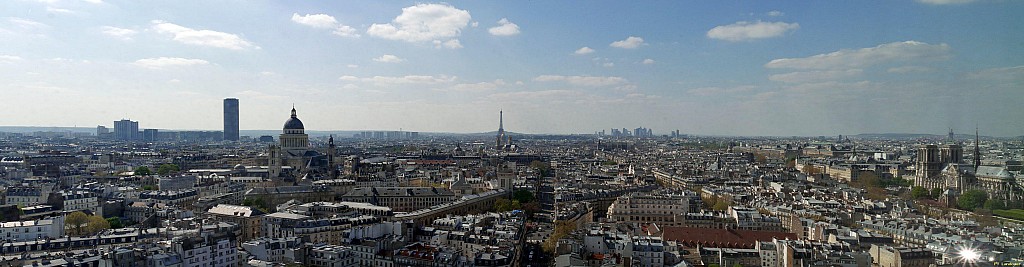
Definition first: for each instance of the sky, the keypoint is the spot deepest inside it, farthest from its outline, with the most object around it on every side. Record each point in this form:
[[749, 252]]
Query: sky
[[710, 67]]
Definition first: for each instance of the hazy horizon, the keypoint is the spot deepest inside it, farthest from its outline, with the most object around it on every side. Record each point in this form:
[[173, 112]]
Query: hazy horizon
[[723, 69]]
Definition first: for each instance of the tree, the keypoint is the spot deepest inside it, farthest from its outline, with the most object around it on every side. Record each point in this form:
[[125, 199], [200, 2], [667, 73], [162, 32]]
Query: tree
[[972, 199], [720, 205], [760, 158], [811, 170], [562, 229], [995, 204], [531, 208], [868, 179], [936, 193], [166, 169], [503, 205], [257, 203], [918, 192], [542, 167], [97, 224], [523, 196], [149, 187], [143, 170], [115, 222], [76, 222]]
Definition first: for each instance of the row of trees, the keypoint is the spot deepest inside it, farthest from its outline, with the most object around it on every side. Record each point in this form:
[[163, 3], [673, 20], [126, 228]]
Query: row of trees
[[717, 203], [562, 229], [521, 200], [163, 169], [80, 224], [972, 200], [257, 203], [919, 192]]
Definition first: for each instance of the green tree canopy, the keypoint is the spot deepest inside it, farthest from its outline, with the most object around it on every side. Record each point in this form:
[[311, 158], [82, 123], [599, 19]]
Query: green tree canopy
[[115, 222], [257, 203], [75, 223], [79, 224], [918, 192], [166, 169], [936, 193], [96, 224], [972, 199], [503, 205], [995, 204], [143, 170], [523, 196], [542, 167]]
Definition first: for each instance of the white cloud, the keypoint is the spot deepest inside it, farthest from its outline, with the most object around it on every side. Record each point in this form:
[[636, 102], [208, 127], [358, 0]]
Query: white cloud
[[9, 59], [626, 88], [398, 80], [423, 22], [584, 50], [886, 53], [409, 79], [629, 43], [648, 61], [27, 24], [94, 1], [345, 31], [324, 21], [706, 91], [450, 44], [59, 10], [475, 87], [744, 30], [1008, 73], [530, 95], [388, 59], [209, 38], [119, 33], [908, 69], [608, 64], [352, 66], [775, 13], [504, 28], [583, 80], [945, 2], [163, 62], [815, 76]]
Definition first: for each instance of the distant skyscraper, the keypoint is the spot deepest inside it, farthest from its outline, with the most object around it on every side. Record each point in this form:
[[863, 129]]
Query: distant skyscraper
[[126, 130], [150, 135], [231, 119], [101, 130]]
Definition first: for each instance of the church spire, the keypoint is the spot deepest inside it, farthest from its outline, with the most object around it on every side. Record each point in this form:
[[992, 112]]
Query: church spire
[[977, 150]]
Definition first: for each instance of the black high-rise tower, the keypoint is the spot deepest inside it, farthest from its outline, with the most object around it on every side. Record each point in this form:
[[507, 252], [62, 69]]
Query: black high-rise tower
[[231, 119]]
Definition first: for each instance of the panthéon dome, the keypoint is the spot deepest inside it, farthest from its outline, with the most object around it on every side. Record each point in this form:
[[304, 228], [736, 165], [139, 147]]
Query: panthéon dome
[[293, 123]]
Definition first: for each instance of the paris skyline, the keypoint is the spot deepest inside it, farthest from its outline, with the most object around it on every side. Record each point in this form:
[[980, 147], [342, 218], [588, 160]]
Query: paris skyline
[[775, 68]]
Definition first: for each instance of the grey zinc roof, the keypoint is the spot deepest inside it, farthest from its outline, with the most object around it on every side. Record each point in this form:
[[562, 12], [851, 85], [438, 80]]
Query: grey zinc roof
[[993, 171]]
